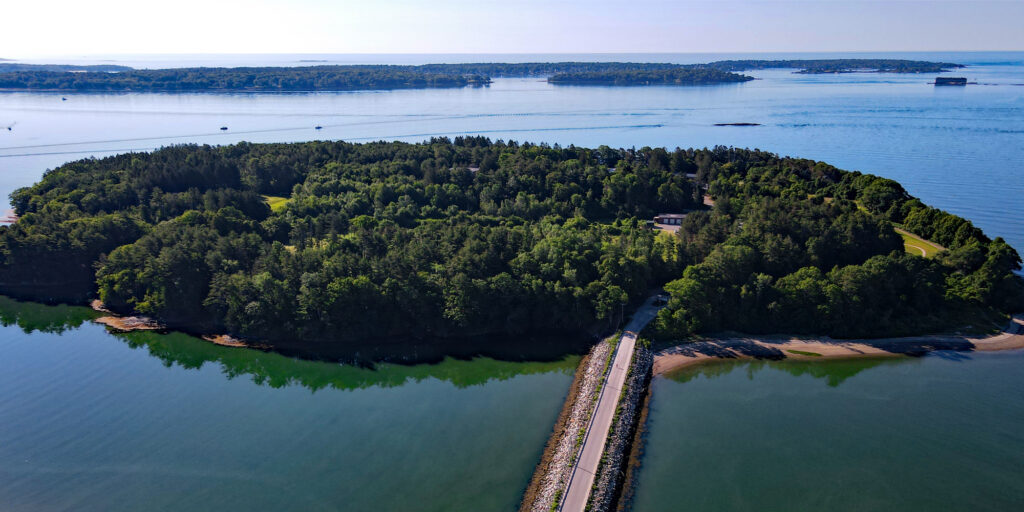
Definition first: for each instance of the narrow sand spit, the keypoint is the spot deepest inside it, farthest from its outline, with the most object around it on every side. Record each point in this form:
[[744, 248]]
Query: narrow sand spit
[[782, 347]]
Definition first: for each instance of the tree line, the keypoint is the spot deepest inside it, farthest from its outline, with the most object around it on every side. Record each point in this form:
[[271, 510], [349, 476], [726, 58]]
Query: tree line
[[676, 76], [6, 67], [519, 69], [308, 78], [817, 66]]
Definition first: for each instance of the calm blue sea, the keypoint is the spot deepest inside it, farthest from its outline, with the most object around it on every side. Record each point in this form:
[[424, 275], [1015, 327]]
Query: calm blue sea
[[960, 149]]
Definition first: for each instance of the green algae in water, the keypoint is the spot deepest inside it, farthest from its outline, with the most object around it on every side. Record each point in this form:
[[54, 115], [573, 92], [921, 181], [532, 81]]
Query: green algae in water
[[32, 317], [167, 422], [276, 370], [803, 353]]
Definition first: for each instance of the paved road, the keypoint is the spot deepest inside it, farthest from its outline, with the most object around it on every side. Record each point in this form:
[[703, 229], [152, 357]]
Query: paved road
[[582, 478]]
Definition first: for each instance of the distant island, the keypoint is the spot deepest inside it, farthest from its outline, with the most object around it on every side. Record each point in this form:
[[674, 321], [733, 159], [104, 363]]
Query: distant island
[[113, 78], [544, 69], [817, 66], [804, 66], [256, 79], [328, 243], [63, 68], [674, 76]]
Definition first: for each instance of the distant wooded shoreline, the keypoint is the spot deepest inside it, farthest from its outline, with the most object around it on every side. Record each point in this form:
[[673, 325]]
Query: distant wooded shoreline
[[115, 78]]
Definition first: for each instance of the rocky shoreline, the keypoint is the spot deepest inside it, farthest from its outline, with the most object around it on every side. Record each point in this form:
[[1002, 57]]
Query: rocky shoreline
[[612, 473], [555, 468], [119, 323]]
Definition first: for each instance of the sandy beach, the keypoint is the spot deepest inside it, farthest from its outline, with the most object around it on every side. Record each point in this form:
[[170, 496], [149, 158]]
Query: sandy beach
[[789, 347]]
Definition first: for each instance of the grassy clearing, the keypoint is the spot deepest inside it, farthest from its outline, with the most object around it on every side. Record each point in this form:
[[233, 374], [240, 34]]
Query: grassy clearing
[[803, 353], [919, 246], [276, 203], [913, 243]]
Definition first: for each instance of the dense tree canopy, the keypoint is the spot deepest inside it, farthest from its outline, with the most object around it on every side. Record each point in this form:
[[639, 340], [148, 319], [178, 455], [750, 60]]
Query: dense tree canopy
[[801, 247], [469, 237]]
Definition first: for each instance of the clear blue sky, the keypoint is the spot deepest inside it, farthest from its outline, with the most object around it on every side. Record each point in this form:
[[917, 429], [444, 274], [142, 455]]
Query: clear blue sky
[[62, 27]]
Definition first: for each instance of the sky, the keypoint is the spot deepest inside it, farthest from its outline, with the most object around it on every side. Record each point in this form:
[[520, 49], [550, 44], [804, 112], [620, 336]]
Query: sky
[[95, 27]]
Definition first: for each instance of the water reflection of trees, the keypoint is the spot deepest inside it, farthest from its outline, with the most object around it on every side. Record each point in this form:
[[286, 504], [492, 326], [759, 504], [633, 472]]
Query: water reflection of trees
[[833, 371], [278, 370], [31, 317]]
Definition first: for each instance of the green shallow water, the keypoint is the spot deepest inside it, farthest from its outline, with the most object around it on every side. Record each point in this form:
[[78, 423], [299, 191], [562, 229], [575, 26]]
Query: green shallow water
[[95, 421], [942, 432]]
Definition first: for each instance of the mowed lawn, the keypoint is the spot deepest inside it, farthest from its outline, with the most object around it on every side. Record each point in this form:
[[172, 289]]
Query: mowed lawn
[[276, 203], [919, 246]]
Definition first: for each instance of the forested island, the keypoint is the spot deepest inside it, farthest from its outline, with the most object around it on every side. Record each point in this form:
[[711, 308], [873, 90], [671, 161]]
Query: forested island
[[340, 243], [253, 79], [494, 69], [100, 68], [675, 76], [112, 78], [520, 69], [817, 66]]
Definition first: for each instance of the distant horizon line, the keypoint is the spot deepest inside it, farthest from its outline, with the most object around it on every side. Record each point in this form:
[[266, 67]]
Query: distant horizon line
[[53, 55]]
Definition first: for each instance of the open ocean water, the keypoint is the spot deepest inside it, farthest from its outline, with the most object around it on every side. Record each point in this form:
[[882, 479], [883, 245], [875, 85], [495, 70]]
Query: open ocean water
[[958, 148]]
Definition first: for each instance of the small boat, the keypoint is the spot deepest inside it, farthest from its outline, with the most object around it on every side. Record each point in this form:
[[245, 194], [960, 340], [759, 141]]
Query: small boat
[[223, 127], [319, 128], [63, 98]]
